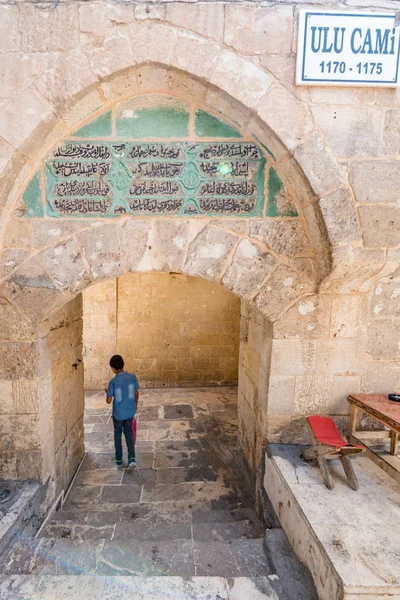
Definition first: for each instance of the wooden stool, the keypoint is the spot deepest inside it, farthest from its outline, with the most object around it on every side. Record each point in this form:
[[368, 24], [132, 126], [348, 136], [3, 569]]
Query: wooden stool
[[328, 444]]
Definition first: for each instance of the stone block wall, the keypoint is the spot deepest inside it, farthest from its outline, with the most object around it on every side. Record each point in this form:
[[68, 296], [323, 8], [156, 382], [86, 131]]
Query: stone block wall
[[61, 397], [41, 412], [99, 332], [170, 328], [254, 375]]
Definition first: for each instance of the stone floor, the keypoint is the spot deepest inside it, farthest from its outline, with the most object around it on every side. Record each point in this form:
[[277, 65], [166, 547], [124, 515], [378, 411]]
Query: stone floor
[[179, 516]]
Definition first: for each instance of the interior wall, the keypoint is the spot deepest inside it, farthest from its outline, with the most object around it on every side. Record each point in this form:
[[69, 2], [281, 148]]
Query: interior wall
[[41, 412], [61, 394], [254, 374], [99, 332], [171, 329]]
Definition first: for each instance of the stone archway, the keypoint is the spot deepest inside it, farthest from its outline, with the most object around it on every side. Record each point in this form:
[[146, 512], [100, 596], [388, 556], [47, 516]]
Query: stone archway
[[41, 276]]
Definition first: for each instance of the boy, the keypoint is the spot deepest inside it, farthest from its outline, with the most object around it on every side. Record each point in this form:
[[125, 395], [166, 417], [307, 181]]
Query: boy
[[124, 388]]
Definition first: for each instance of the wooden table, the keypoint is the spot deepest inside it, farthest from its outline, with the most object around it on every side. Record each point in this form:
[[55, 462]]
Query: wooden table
[[379, 407]]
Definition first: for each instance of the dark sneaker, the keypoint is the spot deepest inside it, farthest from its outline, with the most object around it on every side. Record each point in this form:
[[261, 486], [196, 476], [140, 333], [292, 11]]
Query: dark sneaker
[[118, 464], [131, 463]]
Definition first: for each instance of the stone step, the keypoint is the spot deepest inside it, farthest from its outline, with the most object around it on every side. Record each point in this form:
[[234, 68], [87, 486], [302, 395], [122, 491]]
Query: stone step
[[105, 526], [72, 587], [182, 557], [294, 579], [224, 516]]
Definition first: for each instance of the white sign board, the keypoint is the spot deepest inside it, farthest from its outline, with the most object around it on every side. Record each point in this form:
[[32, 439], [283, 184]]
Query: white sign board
[[355, 49]]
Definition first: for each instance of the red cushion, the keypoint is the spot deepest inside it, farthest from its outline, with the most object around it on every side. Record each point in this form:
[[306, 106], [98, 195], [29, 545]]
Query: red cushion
[[326, 431]]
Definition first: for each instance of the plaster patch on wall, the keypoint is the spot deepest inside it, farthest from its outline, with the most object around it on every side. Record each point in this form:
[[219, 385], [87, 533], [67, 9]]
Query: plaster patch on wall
[[306, 308]]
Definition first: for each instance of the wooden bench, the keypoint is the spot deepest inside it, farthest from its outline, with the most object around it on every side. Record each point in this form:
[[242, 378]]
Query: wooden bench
[[387, 413], [327, 445]]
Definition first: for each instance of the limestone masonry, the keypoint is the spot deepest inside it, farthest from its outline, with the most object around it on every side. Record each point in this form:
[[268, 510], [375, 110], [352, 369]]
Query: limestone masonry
[[171, 137]]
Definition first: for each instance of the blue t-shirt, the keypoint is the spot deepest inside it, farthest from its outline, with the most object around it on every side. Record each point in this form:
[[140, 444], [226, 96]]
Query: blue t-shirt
[[123, 388]]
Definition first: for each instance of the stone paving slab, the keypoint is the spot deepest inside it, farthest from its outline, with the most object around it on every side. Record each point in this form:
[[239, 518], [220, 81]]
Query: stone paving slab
[[146, 558], [224, 516], [91, 587], [231, 559], [150, 532], [121, 494], [99, 477], [212, 532]]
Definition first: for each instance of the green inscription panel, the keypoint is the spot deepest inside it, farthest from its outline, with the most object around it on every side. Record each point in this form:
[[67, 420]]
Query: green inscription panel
[[105, 178]]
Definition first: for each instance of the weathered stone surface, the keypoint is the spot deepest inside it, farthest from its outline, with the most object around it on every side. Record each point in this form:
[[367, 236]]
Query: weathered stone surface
[[9, 34], [319, 164], [6, 152], [10, 260], [282, 429], [339, 213], [77, 110], [169, 240], [380, 225], [101, 20], [206, 19], [242, 79], [282, 288], [65, 264], [68, 76], [308, 318], [283, 237], [385, 298], [379, 377], [153, 77], [340, 356], [283, 67], [307, 267], [293, 357], [19, 70], [7, 403], [343, 385], [143, 12], [383, 340], [208, 252], [391, 133], [262, 31], [17, 360], [292, 172], [49, 232], [367, 179], [176, 47], [249, 267], [101, 249], [14, 325], [135, 244], [353, 269], [112, 55], [312, 394], [18, 234], [25, 395], [180, 83], [348, 316], [287, 116], [20, 117], [119, 85], [32, 290], [43, 31], [233, 225], [351, 130], [281, 394]]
